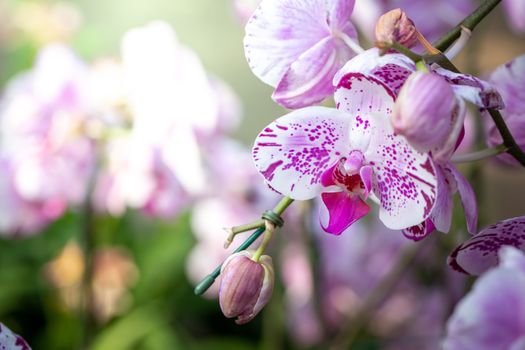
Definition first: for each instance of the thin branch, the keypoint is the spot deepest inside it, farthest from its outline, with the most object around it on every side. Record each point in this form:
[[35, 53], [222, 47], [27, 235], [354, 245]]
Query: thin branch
[[469, 22]]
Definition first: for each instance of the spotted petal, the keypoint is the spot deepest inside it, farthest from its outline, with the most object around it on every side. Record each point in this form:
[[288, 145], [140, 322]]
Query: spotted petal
[[472, 89], [390, 69], [10, 340], [294, 151], [405, 181], [479, 253]]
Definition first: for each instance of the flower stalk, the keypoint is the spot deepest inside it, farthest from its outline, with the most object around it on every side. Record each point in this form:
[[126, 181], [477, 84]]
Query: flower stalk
[[479, 155], [207, 281], [470, 22]]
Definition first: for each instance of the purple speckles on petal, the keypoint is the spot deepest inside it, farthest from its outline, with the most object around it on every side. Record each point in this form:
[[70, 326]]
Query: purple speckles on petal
[[306, 143], [479, 253], [392, 75]]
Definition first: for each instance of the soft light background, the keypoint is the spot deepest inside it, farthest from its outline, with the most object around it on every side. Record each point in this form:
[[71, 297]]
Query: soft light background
[[165, 313]]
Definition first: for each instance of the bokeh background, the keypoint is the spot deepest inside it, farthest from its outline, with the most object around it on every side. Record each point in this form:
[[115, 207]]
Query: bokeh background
[[140, 266]]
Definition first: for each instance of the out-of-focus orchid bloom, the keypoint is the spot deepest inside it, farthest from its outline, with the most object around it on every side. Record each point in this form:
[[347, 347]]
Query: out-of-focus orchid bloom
[[432, 18], [347, 154], [170, 98], [298, 46], [492, 315], [351, 266], [10, 340], [136, 176], [510, 81], [480, 252], [42, 118], [515, 11]]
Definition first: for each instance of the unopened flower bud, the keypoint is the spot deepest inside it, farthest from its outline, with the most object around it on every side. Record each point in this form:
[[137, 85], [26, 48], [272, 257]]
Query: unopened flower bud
[[246, 286], [396, 26], [425, 112]]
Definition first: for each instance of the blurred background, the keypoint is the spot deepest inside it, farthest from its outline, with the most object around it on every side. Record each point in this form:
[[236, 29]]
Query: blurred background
[[125, 130]]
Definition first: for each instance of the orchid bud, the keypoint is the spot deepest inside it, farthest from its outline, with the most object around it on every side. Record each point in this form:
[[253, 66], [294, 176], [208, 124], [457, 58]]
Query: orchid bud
[[396, 26], [424, 112], [246, 286]]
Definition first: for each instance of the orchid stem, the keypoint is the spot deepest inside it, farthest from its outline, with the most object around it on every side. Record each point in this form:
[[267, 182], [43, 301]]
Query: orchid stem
[[479, 155], [234, 231], [459, 44], [207, 281], [406, 51], [268, 233], [470, 22]]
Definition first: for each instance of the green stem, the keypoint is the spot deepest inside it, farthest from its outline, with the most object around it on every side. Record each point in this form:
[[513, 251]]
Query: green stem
[[469, 22], [479, 155], [268, 233], [210, 279], [406, 51]]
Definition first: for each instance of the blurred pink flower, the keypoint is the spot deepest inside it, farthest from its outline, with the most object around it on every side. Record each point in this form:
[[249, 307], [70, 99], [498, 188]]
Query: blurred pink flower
[[515, 11], [42, 120]]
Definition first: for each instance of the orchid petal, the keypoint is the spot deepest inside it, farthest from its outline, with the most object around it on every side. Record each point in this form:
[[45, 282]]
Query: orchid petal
[[468, 199], [308, 80], [358, 94], [442, 213], [390, 69], [509, 79], [472, 89], [405, 181], [366, 173], [491, 316], [343, 210], [294, 151], [418, 232], [280, 31], [512, 258], [456, 133], [11, 341], [479, 253]]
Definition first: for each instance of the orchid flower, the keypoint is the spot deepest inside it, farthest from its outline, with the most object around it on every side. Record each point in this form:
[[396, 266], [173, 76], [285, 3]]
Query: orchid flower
[[492, 315], [298, 46], [480, 252], [346, 155], [393, 70]]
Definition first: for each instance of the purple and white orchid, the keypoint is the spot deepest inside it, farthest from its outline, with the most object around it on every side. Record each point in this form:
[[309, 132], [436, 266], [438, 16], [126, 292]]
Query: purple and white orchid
[[298, 46], [347, 155], [480, 252]]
